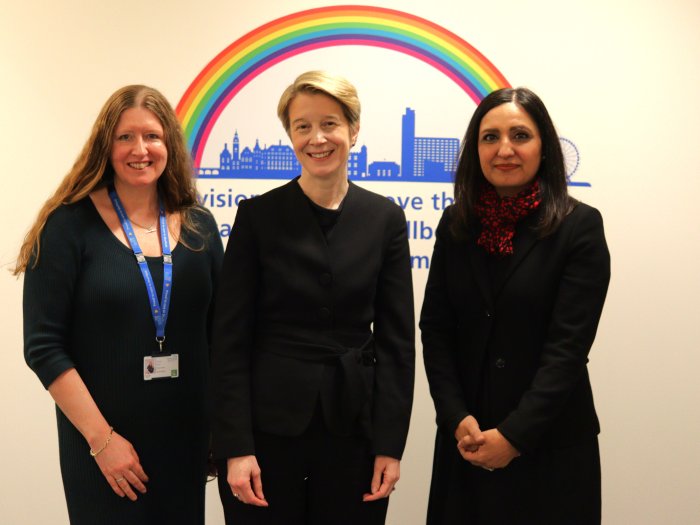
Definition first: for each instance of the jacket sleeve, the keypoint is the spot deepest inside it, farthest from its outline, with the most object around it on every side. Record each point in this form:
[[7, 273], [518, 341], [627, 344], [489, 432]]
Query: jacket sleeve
[[48, 298], [438, 325], [571, 331], [394, 333], [215, 251], [232, 342]]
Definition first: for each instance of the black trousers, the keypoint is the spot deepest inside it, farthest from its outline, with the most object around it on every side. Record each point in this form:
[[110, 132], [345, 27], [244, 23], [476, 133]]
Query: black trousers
[[313, 479]]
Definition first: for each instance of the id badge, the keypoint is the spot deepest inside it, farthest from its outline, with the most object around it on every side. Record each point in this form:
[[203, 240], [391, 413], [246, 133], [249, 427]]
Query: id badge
[[161, 366]]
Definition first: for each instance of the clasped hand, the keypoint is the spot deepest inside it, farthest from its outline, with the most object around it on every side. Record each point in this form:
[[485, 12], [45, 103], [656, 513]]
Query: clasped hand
[[487, 449]]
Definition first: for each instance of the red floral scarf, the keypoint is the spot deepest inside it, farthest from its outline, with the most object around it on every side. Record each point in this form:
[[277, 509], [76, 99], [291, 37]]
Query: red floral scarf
[[499, 215]]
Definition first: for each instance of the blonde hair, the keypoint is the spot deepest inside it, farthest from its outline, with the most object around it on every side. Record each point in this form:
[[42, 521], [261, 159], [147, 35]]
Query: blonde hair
[[335, 86], [92, 169]]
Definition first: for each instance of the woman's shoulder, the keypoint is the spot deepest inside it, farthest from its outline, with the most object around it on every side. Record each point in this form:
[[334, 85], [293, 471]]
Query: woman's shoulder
[[447, 220], [204, 229], [583, 226], [64, 232], [270, 199], [203, 217], [379, 204], [72, 217], [585, 209], [582, 213], [372, 197]]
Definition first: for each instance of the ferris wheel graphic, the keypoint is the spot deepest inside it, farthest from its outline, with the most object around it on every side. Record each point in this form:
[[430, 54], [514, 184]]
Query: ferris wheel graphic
[[572, 160]]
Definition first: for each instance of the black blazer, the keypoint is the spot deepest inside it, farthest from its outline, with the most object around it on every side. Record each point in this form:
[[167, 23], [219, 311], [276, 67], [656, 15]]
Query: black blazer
[[514, 353], [287, 290]]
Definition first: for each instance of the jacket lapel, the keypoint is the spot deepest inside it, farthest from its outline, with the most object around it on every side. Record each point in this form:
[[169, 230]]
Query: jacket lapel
[[477, 259], [350, 217], [524, 240], [299, 217]]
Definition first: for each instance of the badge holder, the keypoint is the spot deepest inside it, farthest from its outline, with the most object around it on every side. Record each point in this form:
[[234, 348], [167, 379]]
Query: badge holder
[[161, 366]]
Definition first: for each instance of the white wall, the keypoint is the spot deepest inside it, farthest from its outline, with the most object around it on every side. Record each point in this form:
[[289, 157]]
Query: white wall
[[622, 78]]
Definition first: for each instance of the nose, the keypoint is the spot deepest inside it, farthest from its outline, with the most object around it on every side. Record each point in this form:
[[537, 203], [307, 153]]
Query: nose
[[139, 146], [505, 148], [318, 137]]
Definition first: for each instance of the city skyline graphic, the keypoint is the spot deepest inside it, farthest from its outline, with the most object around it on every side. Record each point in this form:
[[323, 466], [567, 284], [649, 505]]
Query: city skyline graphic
[[423, 159]]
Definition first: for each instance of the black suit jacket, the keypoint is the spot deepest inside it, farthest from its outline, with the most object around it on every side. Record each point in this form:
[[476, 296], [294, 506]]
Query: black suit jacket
[[285, 284], [514, 353]]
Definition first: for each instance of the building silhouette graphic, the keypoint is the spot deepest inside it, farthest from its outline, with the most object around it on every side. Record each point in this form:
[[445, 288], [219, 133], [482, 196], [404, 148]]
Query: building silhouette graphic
[[274, 162], [423, 159]]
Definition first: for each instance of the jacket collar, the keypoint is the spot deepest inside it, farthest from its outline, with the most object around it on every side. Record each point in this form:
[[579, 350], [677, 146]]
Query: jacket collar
[[523, 242], [301, 218]]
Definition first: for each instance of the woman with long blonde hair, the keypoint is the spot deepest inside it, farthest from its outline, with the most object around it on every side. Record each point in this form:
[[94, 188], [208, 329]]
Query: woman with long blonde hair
[[119, 271]]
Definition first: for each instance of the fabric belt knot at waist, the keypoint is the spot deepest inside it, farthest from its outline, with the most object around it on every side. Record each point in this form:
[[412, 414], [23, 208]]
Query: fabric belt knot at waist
[[350, 361]]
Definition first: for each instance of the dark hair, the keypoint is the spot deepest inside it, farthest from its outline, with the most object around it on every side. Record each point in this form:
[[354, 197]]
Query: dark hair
[[556, 202]]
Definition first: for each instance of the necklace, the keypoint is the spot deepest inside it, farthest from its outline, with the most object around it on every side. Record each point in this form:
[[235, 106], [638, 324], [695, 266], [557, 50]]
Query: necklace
[[147, 230]]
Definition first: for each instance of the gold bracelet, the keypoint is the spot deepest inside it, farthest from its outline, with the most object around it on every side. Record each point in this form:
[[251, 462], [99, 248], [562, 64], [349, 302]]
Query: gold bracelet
[[94, 453]]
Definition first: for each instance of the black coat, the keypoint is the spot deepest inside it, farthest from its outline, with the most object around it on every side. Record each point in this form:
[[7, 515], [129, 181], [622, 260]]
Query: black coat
[[291, 301], [513, 351]]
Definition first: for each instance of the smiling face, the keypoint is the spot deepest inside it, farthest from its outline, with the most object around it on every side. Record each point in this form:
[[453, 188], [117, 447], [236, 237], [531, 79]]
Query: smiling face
[[510, 148], [321, 136], [139, 154]]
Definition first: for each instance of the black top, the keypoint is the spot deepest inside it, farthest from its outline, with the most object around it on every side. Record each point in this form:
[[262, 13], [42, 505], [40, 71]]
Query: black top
[[326, 216], [292, 303], [86, 306]]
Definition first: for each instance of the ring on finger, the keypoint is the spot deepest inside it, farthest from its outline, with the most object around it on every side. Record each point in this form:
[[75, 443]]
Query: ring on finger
[[119, 479]]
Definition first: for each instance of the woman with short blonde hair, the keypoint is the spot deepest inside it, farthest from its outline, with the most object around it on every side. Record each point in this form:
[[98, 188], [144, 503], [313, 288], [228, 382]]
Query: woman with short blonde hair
[[314, 354]]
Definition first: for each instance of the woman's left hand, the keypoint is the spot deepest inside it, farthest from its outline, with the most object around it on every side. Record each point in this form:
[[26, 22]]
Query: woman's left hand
[[496, 452], [386, 474]]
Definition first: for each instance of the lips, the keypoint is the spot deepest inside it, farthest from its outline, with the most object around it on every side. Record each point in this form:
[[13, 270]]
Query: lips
[[320, 155], [139, 165], [507, 167]]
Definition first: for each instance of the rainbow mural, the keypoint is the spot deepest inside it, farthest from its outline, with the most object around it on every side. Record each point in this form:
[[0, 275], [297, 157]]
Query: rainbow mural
[[355, 25]]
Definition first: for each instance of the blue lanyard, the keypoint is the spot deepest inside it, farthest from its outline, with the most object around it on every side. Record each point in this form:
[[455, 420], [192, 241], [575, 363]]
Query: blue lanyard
[[159, 309]]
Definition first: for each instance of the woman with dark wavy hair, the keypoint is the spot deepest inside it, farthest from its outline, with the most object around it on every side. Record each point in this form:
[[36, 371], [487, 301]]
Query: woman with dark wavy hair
[[119, 258], [516, 288]]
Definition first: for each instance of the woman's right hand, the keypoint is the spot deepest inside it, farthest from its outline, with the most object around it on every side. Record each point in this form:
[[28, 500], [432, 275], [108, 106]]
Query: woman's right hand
[[121, 467], [115, 456], [469, 434], [245, 480]]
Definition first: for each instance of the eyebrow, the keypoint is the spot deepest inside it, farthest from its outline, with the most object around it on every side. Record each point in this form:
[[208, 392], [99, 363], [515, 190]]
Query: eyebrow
[[324, 117], [513, 128], [120, 132], [138, 128]]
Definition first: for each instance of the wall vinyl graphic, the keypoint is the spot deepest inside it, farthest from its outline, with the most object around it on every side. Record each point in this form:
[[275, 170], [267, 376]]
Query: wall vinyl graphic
[[423, 159]]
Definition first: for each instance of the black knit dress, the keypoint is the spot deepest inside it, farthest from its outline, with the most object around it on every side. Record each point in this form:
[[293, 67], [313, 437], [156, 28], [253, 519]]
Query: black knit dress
[[86, 306]]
